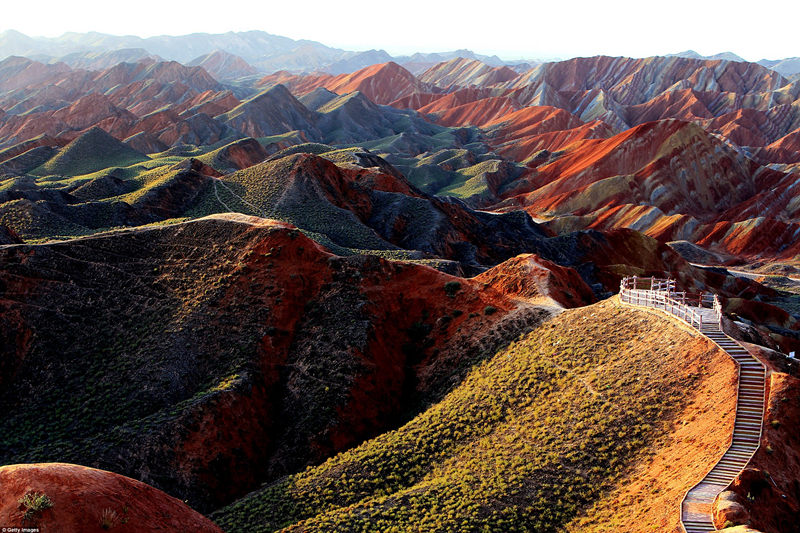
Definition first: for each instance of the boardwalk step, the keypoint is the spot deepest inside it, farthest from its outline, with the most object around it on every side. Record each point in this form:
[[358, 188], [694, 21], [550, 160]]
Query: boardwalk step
[[745, 426]]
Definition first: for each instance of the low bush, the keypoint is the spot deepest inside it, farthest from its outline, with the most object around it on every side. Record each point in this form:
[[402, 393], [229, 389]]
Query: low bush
[[34, 503]]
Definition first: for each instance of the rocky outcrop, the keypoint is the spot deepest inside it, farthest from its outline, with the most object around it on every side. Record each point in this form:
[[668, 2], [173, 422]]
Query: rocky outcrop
[[728, 511]]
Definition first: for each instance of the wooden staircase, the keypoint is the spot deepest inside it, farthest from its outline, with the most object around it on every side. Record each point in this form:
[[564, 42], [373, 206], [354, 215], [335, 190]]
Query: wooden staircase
[[696, 508]]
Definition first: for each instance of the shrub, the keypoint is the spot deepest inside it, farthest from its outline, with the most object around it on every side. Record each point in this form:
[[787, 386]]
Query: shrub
[[34, 503], [451, 288], [109, 518]]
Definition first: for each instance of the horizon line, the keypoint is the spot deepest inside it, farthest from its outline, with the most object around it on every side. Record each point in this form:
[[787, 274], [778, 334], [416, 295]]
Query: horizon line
[[502, 55]]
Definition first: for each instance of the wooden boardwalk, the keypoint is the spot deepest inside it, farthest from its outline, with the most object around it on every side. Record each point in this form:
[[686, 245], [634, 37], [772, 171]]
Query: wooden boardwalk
[[696, 515]]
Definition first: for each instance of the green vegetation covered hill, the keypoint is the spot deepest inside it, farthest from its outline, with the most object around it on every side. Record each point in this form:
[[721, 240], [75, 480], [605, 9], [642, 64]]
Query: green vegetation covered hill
[[472, 175], [527, 441], [92, 151], [292, 189]]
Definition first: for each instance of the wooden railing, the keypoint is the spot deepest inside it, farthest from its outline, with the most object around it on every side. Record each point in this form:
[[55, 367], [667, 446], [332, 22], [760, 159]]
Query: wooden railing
[[661, 294]]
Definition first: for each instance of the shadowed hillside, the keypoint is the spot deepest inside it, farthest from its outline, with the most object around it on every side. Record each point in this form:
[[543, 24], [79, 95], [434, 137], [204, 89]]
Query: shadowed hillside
[[142, 351]]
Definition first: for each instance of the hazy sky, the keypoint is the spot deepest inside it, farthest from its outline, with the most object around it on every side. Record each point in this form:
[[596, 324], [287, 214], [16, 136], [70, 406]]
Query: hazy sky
[[512, 30]]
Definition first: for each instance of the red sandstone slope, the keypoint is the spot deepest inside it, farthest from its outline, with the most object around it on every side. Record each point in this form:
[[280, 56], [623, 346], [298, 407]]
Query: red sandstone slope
[[520, 135], [298, 84], [89, 500], [784, 150], [530, 276], [515, 132], [684, 104], [383, 83], [745, 102], [479, 113], [419, 100], [745, 127], [70, 101], [671, 180], [657, 164], [437, 103], [634, 81], [22, 73], [165, 72], [211, 103]]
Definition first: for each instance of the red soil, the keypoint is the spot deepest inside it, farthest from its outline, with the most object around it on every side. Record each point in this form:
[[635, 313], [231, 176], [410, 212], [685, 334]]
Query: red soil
[[383, 83], [479, 113], [520, 135], [416, 100], [81, 495], [528, 276]]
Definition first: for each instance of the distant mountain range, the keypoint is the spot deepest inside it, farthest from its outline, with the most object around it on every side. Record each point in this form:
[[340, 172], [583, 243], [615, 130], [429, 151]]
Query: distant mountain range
[[691, 54], [788, 67], [260, 51], [237, 54]]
